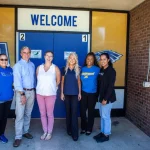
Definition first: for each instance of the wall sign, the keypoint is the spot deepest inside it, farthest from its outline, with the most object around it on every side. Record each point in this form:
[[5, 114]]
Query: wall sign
[[36, 54], [53, 20], [22, 36], [66, 54], [84, 38]]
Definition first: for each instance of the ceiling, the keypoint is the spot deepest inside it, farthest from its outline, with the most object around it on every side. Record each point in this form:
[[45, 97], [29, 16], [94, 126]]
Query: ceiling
[[99, 4]]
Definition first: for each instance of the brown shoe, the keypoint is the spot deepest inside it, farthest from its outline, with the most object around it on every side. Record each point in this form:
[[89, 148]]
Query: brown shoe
[[28, 136], [16, 142]]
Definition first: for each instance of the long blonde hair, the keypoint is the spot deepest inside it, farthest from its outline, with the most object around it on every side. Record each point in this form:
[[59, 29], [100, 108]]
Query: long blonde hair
[[76, 67]]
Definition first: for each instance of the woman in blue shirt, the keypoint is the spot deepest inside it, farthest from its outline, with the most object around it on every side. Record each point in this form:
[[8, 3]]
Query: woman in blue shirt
[[89, 75], [6, 94], [71, 93]]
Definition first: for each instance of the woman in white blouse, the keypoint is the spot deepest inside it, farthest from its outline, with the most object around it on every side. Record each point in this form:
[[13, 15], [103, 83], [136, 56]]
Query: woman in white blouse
[[48, 79]]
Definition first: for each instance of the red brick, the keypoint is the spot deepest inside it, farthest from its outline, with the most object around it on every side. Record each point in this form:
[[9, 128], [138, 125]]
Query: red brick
[[138, 97]]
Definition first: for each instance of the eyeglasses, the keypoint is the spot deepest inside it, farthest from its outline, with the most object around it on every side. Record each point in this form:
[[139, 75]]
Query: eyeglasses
[[49, 56], [3, 59]]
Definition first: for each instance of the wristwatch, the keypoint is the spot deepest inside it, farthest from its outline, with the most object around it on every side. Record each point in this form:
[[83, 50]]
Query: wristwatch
[[22, 94]]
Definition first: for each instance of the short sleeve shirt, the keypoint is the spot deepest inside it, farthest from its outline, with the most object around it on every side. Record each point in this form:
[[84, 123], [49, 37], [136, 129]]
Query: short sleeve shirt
[[89, 79], [70, 82]]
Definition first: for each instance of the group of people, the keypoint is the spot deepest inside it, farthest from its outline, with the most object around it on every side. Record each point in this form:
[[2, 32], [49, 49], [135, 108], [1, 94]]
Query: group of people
[[88, 84]]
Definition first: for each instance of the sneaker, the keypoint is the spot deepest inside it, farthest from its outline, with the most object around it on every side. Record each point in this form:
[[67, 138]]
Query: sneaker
[[98, 135], [43, 136], [3, 138], [48, 136], [103, 139]]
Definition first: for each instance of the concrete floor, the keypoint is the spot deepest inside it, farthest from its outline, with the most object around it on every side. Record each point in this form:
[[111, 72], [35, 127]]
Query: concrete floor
[[125, 136]]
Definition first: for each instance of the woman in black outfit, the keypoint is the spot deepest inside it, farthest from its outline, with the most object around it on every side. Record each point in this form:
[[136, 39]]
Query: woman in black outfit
[[107, 79], [71, 94]]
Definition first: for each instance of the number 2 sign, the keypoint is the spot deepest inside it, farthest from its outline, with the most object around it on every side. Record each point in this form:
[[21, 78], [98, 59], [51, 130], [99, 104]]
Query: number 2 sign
[[22, 36]]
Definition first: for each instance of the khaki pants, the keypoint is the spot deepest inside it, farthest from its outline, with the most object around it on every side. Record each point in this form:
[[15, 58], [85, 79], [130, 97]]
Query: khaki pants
[[23, 113]]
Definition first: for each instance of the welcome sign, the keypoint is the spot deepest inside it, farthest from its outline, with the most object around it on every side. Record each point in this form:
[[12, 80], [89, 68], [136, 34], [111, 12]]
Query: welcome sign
[[53, 20]]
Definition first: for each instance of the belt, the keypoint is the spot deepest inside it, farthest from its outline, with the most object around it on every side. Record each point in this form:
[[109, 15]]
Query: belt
[[28, 89]]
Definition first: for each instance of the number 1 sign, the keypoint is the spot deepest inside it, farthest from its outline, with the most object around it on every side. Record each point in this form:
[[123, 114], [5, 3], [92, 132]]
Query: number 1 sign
[[84, 38]]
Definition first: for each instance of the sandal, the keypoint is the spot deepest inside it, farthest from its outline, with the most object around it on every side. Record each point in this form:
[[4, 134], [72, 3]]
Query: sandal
[[49, 136], [43, 136]]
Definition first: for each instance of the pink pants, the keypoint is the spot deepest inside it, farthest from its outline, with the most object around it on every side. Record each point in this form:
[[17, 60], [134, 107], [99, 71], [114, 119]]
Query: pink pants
[[46, 106]]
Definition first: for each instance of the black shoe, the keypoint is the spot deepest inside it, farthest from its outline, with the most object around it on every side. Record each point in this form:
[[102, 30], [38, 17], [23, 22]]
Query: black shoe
[[82, 132], [98, 135], [88, 133], [75, 138], [28, 136], [69, 133], [103, 139], [17, 143]]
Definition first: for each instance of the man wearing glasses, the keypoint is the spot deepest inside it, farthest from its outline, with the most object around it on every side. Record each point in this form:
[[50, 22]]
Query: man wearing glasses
[[24, 84]]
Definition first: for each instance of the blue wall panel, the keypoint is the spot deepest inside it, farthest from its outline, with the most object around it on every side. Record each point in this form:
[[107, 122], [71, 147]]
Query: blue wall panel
[[37, 41], [58, 43], [69, 43]]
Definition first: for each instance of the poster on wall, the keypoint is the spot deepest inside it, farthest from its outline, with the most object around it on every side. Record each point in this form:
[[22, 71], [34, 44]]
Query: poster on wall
[[114, 56], [67, 53], [36, 54]]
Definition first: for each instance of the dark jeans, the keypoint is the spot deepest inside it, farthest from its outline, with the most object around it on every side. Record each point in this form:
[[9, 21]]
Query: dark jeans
[[88, 102], [4, 111], [71, 102]]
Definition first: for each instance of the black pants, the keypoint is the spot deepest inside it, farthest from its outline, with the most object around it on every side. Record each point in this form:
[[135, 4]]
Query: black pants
[[71, 102], [4, 111], [88, 102]]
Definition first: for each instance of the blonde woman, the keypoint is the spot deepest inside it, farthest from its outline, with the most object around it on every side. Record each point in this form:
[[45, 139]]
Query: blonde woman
[[71, 93]]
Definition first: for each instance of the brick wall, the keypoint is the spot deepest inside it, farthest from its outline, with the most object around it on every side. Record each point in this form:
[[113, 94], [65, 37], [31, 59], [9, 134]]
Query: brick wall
[[138, 97]]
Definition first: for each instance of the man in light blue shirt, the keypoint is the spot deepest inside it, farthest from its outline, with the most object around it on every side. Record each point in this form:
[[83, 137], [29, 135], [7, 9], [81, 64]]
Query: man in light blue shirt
[[24, 84]]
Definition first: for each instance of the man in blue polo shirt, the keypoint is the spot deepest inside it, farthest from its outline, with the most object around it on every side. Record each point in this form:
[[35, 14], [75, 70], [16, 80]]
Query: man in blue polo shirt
[[24, 84]]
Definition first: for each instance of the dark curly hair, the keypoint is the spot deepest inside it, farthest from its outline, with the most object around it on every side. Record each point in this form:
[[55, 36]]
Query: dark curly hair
[[95, 60]]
